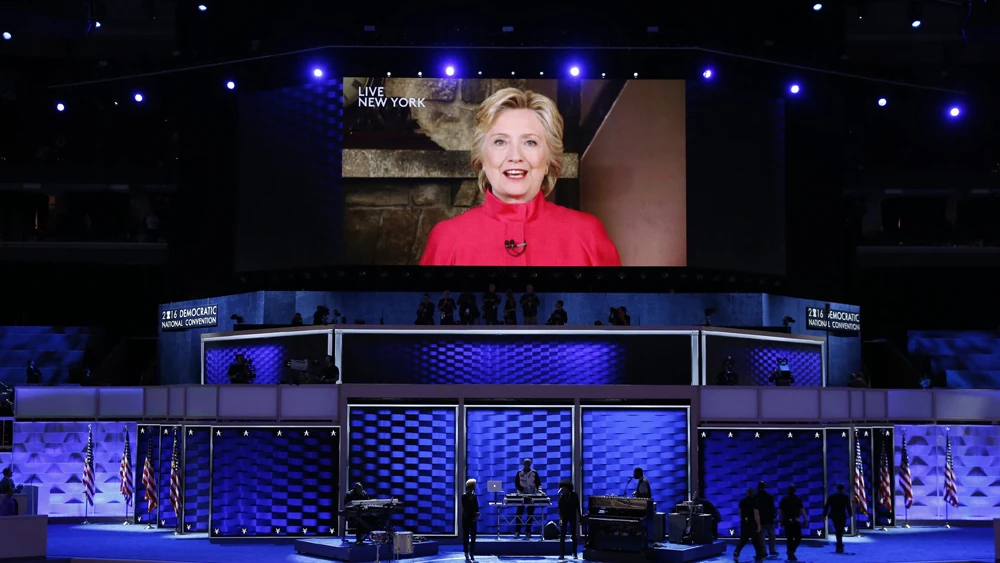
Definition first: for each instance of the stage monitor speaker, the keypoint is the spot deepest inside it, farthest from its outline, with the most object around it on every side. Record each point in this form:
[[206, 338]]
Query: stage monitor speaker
[[659, 532], [551, 531], [676, 525], [702, 529]]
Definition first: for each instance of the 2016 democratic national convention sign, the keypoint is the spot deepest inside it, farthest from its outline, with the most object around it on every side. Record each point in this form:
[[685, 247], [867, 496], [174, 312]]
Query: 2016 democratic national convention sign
[[190, 317], [833, 320]]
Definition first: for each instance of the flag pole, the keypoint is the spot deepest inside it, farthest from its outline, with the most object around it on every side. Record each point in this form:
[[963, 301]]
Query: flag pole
[[86, 507]]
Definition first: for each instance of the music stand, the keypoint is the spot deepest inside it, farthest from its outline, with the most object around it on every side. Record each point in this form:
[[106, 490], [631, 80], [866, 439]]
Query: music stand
[[496, 487]]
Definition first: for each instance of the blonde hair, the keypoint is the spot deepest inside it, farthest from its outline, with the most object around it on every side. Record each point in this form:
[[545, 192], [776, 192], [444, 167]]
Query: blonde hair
[[514, 98], [469, 484]]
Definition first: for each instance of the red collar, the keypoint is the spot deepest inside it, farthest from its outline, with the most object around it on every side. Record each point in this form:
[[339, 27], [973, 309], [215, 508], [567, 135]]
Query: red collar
[[513, 212]]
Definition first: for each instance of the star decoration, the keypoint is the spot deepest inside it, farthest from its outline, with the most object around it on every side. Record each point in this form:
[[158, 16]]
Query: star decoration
[[277, 530], [886, 432], [189, 527], [847, 529], [789, 434], [218, 432], [732, 532], [190, 432], [138, 519], [246, 433], [843, 434], [817, 435], [332, 531], [142, 431], [890, 521], [730, 434], [163, 522], [166, 431], [216, 531], [868, 524], [818, 533], [756, 434], [703, 435], [279, 432], [306, 433], [866, 433], [244, 530], [333, 433], [305, 530]]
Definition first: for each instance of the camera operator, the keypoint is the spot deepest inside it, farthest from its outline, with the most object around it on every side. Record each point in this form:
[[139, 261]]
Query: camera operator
[[782, 377], [242, 370], [559, 316]]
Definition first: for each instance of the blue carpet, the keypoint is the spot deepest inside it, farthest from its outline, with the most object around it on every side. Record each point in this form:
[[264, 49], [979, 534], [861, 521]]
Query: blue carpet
[[134, 543]]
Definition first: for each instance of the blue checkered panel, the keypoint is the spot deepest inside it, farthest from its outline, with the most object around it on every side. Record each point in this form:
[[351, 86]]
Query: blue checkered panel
[[197, 478], [607, 359], [882, 439], [617, 440], [146, 433], [756, 359], [269, 355], [865, 437], [407, 453], [975, 462], [733, 459], [50, 456], [274, 481], [167, 517], [498, 441], [839, 460]]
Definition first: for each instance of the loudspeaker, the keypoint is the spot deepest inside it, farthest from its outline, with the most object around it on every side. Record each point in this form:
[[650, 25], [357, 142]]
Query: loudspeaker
[[702, 529], [676, 524], [551, 531]]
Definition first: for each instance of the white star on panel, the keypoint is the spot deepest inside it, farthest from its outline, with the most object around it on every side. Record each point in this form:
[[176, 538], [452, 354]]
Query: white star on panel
[[730, 434], [333, 432], [218, 432], [246, 433], [789, 434], [732, 532], [189, 527], [190, 432], [756, 434], [216, 531], [703, 435], [818, 533], [305, 530], [332, 531], [166, 431], [866, 433], [277, 530], [843, 434], [817, 435], [139, 519], [142, 431], [279, 432], [163, 522], [306, 433]]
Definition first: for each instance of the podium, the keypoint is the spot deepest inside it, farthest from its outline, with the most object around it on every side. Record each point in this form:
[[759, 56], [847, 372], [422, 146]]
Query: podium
[[27, 501]]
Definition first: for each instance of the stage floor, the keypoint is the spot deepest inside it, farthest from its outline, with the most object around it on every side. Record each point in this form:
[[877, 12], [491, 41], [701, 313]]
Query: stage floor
[[133, 543]]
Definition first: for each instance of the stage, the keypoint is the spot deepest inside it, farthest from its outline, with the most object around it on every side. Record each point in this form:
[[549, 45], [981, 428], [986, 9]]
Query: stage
[[134, 543]]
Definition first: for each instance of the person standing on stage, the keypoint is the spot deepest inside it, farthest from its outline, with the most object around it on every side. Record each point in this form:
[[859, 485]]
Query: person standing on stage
[[446, 308], [529, 305], [838, 509], [642, 488], [791, 509], [749, 527], [470, 517], [527, 482], [8, 505], [510, 309], [765, 506], [425, 311], [570, 514], [491, 304], [360, 523]]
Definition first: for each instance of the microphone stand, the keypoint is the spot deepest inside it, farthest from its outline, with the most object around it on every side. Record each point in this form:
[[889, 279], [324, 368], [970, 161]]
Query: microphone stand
[[625, 494]]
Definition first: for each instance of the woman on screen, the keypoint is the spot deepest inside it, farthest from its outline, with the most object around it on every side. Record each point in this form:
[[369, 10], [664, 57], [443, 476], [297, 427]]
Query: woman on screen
[[517, 153]]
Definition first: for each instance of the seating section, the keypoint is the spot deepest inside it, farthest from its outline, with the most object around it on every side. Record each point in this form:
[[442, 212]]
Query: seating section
[[56, 351], [965, 359]]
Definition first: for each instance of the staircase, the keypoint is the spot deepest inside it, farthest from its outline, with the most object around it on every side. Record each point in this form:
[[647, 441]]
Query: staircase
[[56, 351], [965, 359]]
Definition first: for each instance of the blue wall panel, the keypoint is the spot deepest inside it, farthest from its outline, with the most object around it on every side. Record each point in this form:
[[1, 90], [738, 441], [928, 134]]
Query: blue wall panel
[[269, 356], [274, 482], [55, 350], [617, 440], [977, 471], [197, 478], [499, 439], [147, 434], [957, 359], [733, 459], [167, 517], [756, 360], [839, 464], [407, 453], [50, 456]]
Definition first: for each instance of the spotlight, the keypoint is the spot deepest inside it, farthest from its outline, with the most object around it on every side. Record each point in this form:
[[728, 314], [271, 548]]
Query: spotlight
[[707, 74], [60, 107], [603, 75], [202, 7], [420, 74], [97, 25], [480, 73], [817, 7], [449, 70], [955, 111], [318, 72], [7, 35], [795, 89], [574, 71], [915, 24], [388, 74], [231, 85], [635, 75], [882, 102], [541, 73], [512, 73], [138, 97]]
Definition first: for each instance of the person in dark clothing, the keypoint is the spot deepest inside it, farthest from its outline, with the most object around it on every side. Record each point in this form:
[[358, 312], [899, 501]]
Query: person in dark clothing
[[782, 376], [527, 482], [749, 527], [240, 371], [570, 514], [362, 525], [468, 311], [559, 316], [297, 319], [644, 490], [446, 309], [425, 311], [791, 510], [322, 315], [491, 304], [34, 374], [765, 508], [8, 505], [838, 509], [728, 375], [529, 305], [510, 309], [470, 518]]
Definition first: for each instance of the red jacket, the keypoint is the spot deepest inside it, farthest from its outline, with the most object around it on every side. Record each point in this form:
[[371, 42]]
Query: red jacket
[[555, 236]]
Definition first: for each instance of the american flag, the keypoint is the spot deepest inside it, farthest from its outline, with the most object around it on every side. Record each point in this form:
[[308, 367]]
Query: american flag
[[149, 478], [950, 485], [860, 492], [88, 468], [905, 479], [175, 478], [885, 482], [125, 472]]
